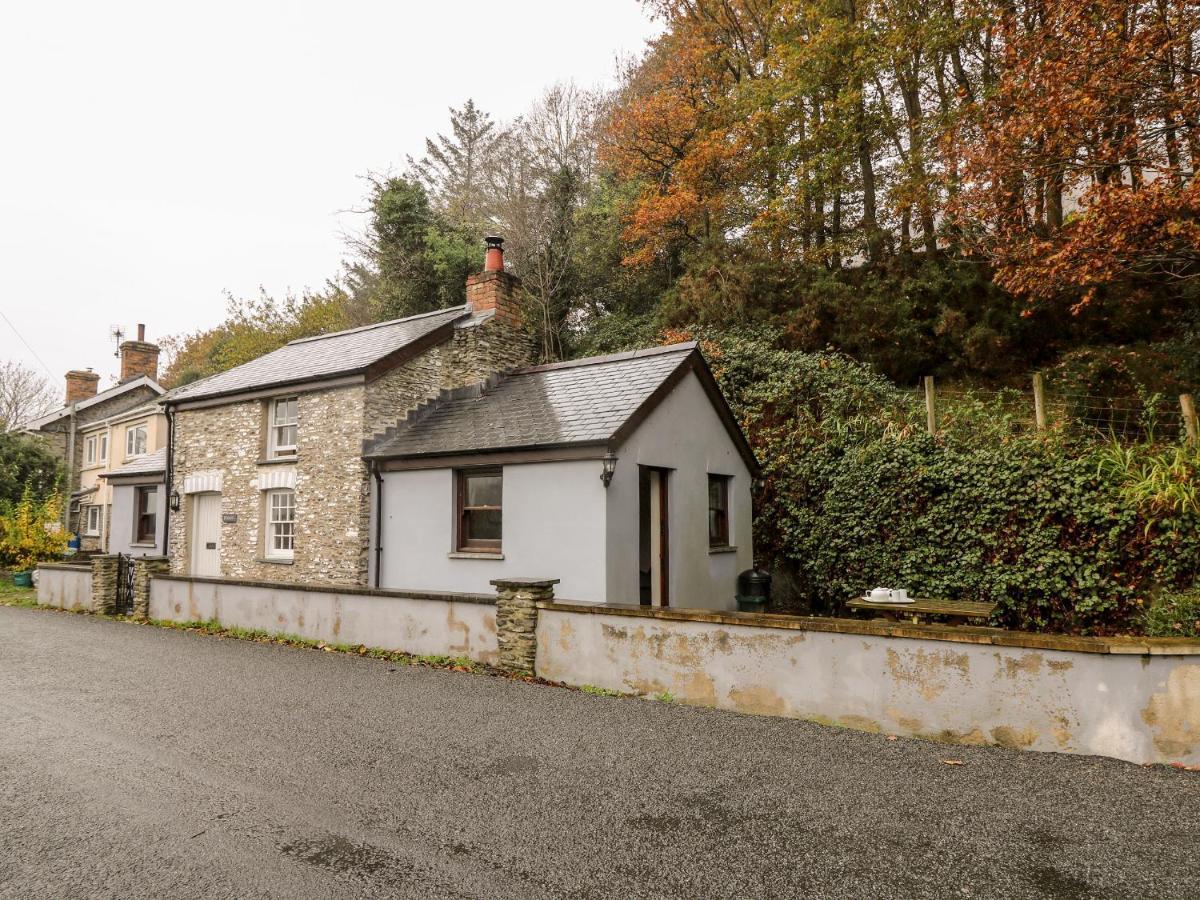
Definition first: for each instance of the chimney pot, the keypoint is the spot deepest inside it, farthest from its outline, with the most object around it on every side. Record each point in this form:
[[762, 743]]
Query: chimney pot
[[493, 260], [141, 332]]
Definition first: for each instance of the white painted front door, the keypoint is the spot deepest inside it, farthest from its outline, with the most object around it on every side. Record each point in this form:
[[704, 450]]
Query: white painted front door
[[206, 534]]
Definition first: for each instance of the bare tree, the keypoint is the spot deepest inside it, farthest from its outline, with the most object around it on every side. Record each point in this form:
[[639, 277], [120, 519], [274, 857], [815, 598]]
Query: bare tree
[[25, 394]]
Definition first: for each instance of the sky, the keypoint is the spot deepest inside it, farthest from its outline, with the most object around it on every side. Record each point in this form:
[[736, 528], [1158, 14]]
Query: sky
[[156, 155]]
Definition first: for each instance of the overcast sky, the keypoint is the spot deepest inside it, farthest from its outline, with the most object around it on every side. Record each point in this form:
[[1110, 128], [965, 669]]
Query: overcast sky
[[154, 155]]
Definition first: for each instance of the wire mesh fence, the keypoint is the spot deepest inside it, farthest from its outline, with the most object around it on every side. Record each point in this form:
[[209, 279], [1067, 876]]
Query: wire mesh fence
[[1009, 412]]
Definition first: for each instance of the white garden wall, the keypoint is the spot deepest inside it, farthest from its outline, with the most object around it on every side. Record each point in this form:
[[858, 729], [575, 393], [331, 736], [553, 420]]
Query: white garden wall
[[1138, 701], [421, 624], [65, 586]]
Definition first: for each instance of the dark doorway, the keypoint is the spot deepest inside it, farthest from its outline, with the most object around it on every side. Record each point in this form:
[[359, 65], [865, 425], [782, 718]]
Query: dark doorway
[[654, 573]]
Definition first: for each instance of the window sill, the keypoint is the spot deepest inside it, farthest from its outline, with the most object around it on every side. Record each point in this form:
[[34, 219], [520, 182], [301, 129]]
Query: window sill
[[277, 562], [728, 548], [474, 554], [144, 544], [276, 461]]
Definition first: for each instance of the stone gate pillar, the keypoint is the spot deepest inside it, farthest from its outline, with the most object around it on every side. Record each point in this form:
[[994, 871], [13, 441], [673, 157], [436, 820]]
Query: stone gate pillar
[[145, 568], [516, 620], [104, 584]]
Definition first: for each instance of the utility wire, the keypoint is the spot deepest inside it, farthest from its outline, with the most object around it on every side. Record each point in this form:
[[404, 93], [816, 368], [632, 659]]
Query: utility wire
[[26, 343]]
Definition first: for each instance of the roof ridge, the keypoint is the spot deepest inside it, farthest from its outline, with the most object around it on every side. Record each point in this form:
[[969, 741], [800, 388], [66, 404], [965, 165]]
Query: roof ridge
[[609, 358], [373, 325]]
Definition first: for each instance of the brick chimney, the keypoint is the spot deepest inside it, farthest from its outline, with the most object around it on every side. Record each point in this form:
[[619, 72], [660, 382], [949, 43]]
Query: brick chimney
[[138, 357], [81, 385], [493, 288]]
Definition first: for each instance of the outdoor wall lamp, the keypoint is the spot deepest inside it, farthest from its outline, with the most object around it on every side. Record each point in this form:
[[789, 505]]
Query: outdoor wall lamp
[[174, 501], [610, 466]]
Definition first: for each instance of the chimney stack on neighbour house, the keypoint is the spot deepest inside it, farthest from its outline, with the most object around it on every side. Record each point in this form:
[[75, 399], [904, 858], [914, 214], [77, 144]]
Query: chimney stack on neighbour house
[[139, 357], [81, 385], [493, 288]]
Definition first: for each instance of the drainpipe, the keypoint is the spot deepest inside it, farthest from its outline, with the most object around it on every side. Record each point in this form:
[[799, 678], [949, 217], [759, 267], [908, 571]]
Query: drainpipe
[[70, 471], [378, 520], [170, 478]]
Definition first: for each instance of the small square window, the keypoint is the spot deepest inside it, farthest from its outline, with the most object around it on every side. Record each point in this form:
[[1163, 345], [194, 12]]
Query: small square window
[[718, 510], [480, 494], [281, 524], [282, 427], [135, 440]]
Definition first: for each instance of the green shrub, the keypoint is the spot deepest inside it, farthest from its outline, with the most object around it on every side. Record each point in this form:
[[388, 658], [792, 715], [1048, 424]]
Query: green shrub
[[1174, 615], [30, 532], [854, 493]]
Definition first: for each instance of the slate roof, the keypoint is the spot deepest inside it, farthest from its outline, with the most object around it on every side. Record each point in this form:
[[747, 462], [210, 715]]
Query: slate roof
[[323, 356], [150, 464], [102, 396], [581, 402]]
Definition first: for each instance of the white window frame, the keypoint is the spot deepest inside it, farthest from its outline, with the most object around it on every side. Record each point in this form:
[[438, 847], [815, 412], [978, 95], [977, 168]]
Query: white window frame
[[277, 428], [131, 451], [104, 447], [276, 525], [88, 529], [90, 445]]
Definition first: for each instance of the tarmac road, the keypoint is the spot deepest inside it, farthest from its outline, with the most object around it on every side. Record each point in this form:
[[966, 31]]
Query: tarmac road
[[142, 762]]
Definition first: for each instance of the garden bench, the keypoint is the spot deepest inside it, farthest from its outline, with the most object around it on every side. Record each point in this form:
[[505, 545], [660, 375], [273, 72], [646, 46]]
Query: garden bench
[[954, 610]]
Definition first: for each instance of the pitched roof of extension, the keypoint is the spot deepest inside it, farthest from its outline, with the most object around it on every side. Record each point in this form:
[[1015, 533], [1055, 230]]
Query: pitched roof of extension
[[596, 401], [80, 405], [150, 464], [323, 356]]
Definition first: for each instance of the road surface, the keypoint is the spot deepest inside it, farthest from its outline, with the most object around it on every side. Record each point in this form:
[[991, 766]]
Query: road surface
[[142, 762]]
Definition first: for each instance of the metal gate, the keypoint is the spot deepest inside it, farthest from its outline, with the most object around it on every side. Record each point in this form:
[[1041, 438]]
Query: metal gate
[[124, 599]]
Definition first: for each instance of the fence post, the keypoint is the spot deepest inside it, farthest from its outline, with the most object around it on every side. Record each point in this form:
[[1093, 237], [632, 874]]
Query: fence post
[[1039, 401], [930, 404], [1187, 406]]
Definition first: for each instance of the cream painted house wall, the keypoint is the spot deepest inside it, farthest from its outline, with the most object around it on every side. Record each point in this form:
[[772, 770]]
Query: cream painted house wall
[[115, 428]]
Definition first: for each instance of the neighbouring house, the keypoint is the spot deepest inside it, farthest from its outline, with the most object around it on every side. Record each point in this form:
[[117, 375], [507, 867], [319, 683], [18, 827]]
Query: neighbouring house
[[626, 477], [427, 453], [89, 434], [266, 473], [137, 500]]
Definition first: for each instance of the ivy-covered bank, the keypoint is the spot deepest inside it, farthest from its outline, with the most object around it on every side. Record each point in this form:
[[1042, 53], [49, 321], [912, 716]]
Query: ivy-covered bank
[[1064, 534]]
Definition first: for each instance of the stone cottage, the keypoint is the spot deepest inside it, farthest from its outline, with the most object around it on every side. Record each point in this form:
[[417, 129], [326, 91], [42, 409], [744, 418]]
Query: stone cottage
[[266, 475]]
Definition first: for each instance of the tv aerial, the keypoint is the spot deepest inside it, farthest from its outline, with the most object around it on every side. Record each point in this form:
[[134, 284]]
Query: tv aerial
[[117, 333]]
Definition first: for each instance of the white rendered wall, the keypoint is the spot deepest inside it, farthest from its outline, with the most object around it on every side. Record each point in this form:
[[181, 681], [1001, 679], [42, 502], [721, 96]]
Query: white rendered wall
[[684, 434], [553, 528]]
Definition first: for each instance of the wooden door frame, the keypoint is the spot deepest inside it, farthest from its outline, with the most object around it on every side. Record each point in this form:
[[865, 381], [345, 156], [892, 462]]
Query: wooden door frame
[[664, 531]]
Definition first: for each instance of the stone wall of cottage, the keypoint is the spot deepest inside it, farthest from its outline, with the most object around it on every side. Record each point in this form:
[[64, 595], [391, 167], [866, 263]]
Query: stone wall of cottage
[[331, 486], [478, 350], [333, 490]]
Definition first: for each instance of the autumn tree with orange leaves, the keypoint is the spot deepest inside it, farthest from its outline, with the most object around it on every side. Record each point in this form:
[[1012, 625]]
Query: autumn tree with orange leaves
[[1080, 165]]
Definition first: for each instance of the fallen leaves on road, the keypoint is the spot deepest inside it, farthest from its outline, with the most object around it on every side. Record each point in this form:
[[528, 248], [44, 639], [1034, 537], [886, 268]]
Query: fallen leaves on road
[[892, 737], [952, 762]]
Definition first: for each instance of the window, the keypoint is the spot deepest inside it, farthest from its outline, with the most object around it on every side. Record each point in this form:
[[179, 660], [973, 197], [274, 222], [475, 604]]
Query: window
[[92, 522], [479, 509], [90, 448], [104, 448], [281, 437], [281, 523], [718, 510], [146, 504], [135, 440]]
